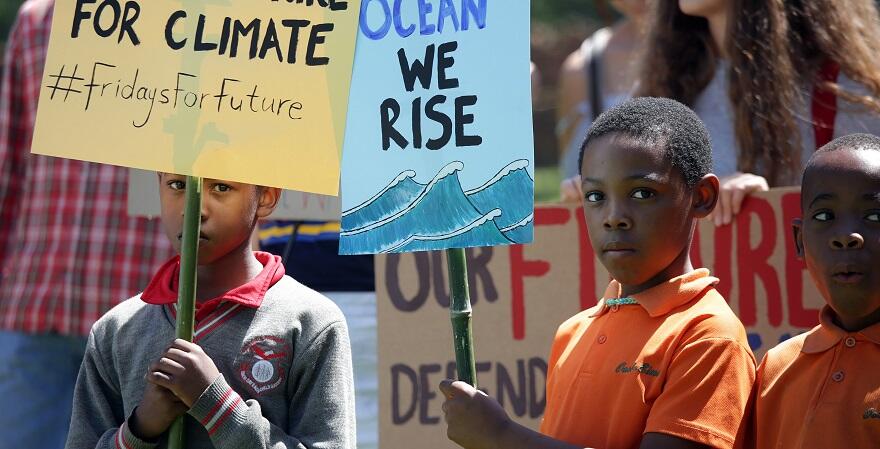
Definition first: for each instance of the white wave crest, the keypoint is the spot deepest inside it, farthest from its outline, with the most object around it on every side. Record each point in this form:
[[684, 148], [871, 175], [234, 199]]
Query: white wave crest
[[511, 167], [449, 169], [402, 176], [493, 214], [521, 223]]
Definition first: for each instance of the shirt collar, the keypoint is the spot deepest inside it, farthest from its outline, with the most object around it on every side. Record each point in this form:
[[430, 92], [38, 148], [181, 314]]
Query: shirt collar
[[663, 298], [162, 289], [828, 334]]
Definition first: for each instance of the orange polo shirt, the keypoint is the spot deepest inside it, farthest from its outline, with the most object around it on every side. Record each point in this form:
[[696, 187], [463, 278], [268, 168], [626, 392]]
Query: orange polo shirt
[[821, 389], [677, 363]]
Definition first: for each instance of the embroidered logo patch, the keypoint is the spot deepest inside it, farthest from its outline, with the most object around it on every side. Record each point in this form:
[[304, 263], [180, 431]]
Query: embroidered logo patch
[[871, 413], [264, 363], [637, 368]]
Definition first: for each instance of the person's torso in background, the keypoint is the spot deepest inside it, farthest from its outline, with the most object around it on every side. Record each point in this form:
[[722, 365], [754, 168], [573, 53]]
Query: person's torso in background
[[713, 106], [595, 47]]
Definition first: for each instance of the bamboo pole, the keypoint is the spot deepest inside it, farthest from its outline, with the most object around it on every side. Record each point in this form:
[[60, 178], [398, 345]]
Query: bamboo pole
[[460, 313], [186, 296]]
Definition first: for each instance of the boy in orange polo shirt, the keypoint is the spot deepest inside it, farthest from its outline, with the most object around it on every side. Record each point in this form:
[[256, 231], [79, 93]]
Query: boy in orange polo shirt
[[661, 361], [821, 389]]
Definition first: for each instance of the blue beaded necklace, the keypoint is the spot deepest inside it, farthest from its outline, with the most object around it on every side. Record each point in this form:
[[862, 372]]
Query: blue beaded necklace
[[620, 301]]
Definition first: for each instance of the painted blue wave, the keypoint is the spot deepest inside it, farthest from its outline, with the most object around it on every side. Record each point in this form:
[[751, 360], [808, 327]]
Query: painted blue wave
[[522, 231], [483, 232], [410, 216], [391, 200], [506, 191], [441, 209]]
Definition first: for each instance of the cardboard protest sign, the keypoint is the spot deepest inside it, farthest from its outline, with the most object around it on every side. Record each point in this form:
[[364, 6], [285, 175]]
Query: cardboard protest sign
[[253, 92], [521, 294], [143, 201], [438, 148]]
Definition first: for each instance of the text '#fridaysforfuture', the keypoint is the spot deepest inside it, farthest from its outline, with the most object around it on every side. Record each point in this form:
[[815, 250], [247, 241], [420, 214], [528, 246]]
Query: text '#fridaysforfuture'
[[102, 82]]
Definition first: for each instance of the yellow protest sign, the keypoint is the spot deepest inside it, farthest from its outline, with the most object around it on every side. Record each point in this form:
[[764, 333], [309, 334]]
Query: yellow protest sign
[[252, 91]]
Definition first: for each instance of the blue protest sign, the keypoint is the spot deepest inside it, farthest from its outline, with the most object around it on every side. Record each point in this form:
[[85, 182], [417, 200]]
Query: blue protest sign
[[438, 149]]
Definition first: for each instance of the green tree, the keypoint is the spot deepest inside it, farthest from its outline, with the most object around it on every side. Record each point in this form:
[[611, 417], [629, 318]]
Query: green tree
[[557, 11], [8, 10]]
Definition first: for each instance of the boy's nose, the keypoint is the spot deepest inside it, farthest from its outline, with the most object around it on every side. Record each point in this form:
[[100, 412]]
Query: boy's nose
[[204, 210], [852, 240], [617, 221]]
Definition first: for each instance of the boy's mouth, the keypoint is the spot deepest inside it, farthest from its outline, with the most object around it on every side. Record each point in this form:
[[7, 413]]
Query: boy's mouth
[[617, 248], [202, 237], [847, 274]]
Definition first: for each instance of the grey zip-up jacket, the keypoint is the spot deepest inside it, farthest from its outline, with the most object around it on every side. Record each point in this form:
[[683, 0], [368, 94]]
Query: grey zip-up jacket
[[286, 375]]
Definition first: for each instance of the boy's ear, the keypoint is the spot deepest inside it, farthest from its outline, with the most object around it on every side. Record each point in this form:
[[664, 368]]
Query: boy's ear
[[706, 195], [797, 227], [269, 197]]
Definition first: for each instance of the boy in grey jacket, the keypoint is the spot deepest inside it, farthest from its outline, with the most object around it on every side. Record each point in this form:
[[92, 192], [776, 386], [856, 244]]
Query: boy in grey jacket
[[270, 365]]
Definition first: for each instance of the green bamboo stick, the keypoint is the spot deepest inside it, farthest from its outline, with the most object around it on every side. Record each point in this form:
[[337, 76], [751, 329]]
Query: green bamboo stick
[[186, 296], [460, 313]]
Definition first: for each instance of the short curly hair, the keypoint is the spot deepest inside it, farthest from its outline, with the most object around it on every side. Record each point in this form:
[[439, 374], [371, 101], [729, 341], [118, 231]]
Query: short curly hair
[[652, 121], [858, 141]]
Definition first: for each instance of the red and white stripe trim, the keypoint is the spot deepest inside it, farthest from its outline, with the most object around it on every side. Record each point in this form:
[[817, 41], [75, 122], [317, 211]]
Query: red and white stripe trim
[[222, 409], [214, 320], [120, 437], [208, 325]]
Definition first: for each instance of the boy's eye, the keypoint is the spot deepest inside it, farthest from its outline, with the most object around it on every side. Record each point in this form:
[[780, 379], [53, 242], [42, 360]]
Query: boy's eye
[[177, 185], [873, 216], [222, 187], [823, 215], [642, 194], [593, 197]]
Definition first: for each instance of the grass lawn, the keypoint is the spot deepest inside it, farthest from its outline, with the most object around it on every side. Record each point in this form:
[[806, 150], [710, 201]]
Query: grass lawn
[[547, 181]]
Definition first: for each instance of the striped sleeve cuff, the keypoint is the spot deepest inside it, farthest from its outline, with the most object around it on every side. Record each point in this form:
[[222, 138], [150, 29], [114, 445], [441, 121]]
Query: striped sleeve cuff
[[124, 439], [218, 405]]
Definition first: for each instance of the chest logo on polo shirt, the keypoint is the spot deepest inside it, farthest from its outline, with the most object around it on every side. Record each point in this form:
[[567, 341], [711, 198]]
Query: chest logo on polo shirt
[[637, 368], [871, 413], [264, 363]]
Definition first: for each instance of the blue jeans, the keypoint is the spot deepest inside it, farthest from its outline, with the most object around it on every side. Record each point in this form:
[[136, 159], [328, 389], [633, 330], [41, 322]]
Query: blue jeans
[[37, 377]]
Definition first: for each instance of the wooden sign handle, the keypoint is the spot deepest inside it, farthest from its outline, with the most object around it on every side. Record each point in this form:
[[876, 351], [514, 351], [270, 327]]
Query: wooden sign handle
[[186, 296], [461, 313]]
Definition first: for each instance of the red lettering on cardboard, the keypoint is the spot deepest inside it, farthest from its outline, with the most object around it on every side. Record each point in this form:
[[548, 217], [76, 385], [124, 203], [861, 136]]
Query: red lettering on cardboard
[[754, 262], [587, 262], [520, 267], [722, 268]]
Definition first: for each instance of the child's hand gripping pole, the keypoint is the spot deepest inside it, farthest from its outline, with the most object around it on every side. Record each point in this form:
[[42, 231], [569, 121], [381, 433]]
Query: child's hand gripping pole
[[186, 297], [460, 311]]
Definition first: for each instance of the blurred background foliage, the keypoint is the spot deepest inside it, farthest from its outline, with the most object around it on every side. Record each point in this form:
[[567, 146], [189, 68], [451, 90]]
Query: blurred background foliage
[[8, 8]]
